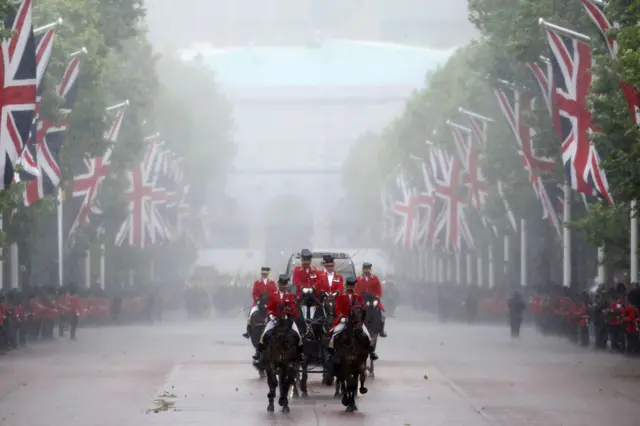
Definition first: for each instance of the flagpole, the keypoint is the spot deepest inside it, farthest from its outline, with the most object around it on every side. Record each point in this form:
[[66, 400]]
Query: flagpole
[[602, 270], [566, 240], [117, 106], [60, 240], [564, 31], [469, 270], [87, 269], [47, 27], [82, 51], [507, 259], [458, 260], [479, 263], [15, 266], [492, 277], [102, 266], [524, 261], [633, 261]]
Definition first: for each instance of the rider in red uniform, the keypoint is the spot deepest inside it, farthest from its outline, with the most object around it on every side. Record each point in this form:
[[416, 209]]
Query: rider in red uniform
[[260, 287], [344, 302], [305, 275], [278, 302], [369, 283], [329, 280]]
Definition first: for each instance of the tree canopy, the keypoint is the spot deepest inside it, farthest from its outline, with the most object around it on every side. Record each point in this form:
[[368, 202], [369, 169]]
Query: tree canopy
[[511, 38]]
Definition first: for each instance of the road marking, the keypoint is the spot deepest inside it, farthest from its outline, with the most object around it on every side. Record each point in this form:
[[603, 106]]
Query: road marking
[[462, 394]]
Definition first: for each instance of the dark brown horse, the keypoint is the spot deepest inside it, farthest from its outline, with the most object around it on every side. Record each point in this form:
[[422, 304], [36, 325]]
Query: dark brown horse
[[352, 348], [281, 361]]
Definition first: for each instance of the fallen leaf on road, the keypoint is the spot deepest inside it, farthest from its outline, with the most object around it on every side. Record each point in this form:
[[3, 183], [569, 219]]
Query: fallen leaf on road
[[426, 377]]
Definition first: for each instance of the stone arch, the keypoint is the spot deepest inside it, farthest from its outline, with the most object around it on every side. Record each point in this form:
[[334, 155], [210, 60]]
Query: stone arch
[[288, 225]]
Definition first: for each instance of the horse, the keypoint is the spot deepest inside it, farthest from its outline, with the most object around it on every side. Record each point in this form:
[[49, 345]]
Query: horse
[[329, 305], [257, 322], [373, 320], [352, 349], [311, 325], [280, 361]]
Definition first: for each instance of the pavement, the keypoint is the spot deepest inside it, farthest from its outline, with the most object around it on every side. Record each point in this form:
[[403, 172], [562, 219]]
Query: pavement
[[192, 373]]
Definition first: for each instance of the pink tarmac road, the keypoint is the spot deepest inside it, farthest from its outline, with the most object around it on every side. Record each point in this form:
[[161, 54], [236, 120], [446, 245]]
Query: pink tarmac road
[[199, 373]]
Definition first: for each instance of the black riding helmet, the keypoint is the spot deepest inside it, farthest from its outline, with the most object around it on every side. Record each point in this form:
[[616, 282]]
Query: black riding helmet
[[350, 283], [283, 280]]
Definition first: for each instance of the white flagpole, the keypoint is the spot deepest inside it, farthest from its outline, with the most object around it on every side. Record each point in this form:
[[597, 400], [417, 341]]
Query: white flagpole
[[523, 253], [479, 275], [15, 266], [507, 259], [602, 270], [566, 240], [469, 270], [102, 265], [60, 241], [492, 277], [458, 260], [87, 269], [633, 261]]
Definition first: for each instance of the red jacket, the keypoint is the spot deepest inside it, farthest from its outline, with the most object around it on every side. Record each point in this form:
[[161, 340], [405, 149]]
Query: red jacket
[[630, 316], [259, 288], [304, 278], [337, 284], [343, 305], [372, 286], [277, 303], [74, 305]]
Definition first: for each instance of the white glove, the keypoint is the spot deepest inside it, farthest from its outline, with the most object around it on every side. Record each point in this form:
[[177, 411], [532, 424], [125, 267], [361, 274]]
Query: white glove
[[272, 317], [343, 320]]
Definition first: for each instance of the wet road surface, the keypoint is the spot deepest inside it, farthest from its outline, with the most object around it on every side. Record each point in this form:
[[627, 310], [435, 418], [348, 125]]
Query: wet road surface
[[199, 373]]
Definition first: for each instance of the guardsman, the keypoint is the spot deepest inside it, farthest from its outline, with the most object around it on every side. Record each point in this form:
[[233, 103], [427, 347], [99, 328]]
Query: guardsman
[[344, 302], [305, 275], [279, 301], [261, 286], [329, 280], [369, 283]]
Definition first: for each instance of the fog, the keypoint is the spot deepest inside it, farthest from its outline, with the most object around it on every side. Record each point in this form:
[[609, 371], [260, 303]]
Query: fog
[[305, 79]]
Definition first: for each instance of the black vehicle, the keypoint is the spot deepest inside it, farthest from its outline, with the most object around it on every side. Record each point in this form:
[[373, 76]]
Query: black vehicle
[[343, 263]]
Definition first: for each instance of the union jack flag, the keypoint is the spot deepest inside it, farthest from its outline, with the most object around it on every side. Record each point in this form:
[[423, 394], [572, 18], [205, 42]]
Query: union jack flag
[[87, 184], [44, 48], [451, 224], [18, 88], [144, 224], [571, 63], [424, 202], [472, 176], [405, 208], [595, 10], [514, 105], [50, 137]]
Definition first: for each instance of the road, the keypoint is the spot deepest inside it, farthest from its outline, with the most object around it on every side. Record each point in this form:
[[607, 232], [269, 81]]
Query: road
[[198, 373]]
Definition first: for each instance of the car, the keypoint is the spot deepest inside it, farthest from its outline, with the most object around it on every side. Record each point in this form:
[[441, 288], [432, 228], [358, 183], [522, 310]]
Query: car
[[343, 263]]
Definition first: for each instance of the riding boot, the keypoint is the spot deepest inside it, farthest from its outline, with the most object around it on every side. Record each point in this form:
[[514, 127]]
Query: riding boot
[[301, 352], [246, 334], [258, 354], [372, 354], [382, 332]]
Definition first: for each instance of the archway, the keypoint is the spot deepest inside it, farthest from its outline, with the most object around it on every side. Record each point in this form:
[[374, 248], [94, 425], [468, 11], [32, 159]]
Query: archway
[[288, 225]]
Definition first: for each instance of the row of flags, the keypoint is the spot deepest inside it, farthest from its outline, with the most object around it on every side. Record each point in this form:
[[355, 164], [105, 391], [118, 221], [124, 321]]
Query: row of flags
[[434, 211], [158, 210]]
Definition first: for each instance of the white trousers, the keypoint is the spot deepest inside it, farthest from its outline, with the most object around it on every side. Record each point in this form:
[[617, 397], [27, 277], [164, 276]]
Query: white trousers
[[340, 327], [253, 309], [271, 325]]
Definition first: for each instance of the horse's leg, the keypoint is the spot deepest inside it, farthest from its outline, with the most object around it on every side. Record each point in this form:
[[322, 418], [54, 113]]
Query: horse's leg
[[352, 386], [362, 374], [286, 377], [303, 380], [293, 383], [272, 381]]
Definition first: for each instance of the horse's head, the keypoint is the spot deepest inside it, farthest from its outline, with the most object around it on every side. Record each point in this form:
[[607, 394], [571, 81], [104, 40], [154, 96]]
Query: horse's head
[[308, 297], [356, 316], [262, 302], [370, 300], [329, 302]]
